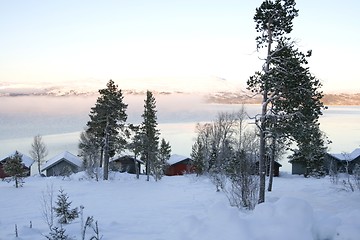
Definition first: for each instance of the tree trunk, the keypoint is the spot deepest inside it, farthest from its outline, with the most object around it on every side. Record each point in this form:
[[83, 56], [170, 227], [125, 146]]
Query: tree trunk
[[272, 162], [106, 165], [262, 122], [39, 166], [137, 167], [106, 154], [101, 156], [262, 163], [147, 167]]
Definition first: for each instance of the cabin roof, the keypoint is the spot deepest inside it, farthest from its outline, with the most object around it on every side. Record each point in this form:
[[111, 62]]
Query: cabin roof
[[69, 157], [122, 157], [175, 158], [346, 156], [26, 160]]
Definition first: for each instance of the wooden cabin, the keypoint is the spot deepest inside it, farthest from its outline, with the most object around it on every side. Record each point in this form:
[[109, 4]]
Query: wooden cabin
[[179, 165]]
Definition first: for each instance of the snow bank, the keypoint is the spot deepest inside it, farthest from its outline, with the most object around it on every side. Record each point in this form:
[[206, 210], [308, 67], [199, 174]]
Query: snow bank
[[185, 208], [287, 218]]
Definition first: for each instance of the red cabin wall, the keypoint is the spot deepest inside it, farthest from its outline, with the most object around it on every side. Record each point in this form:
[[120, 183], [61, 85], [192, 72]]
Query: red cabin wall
[[178, 169], [2, 173]]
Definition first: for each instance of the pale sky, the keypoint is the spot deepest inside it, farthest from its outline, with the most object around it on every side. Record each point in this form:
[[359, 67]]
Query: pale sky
[[125, 40]]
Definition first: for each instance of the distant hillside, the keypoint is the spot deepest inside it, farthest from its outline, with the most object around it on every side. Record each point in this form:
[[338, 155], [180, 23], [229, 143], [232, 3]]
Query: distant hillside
[[215, 90], [200, 85], [246, 98], [342, 99]]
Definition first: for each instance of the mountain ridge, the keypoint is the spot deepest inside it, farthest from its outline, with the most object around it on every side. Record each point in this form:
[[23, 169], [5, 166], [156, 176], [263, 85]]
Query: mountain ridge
[[225, 93]]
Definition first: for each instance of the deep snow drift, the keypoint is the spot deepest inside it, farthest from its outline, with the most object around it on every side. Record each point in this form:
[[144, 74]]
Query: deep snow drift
[[185, 207]]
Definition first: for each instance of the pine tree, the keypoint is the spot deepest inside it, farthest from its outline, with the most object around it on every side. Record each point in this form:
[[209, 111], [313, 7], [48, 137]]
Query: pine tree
[[150, 133], [290, 95], [15, 169], [135, 145], [107, 123], [215, 168], [310, 151], [62, 209], [273, 22], [163, 156], [57, 233], [198, 157]]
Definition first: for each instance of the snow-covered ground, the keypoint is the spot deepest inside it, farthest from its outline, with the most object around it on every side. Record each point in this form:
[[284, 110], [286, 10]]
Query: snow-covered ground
[[185, 208]]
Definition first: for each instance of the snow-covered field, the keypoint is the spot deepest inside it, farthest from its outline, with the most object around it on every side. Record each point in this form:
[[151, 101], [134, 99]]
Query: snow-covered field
[[184, 208]]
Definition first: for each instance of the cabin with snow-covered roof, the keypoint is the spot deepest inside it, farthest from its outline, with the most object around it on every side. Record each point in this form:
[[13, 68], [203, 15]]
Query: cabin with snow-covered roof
[[333, 162], [179, 165], [26, 161], [339, 162], [62, 164], [125, 163]]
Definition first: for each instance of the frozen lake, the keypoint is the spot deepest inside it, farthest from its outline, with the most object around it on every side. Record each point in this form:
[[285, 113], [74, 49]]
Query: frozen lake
[[61, 119]]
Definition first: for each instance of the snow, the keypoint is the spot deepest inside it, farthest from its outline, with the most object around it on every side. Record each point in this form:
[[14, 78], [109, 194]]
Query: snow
[[175, 158], [185, 208], [347, 157], [26, 160], [64, 155]]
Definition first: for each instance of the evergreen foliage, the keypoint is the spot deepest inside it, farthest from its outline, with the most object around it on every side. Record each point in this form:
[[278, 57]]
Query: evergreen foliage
[[311, 151], [291, 97], [198, 157], [62, 209], [163, 156], [150, 133], [57, 233], [15, 169], [107, 123], [135, 145]]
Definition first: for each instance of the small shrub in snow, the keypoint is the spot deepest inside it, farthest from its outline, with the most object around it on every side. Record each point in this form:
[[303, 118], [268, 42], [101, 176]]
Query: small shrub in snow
[[351, 182], [94, 226], [47, 208], [63, 211], [242, 191], [89, 223], [57, 233]]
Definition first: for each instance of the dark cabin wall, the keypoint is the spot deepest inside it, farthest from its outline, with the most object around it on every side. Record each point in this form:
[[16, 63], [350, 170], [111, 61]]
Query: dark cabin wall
[[298, 168], [62, 168]]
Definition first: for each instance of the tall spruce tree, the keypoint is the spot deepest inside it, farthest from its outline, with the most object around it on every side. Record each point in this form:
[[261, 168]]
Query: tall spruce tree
[[290, 95], [107, 123], [150, 133]]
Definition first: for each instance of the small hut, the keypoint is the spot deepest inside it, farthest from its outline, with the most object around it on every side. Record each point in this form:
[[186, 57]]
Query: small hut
[[26, 161], [62, 164], [125, 164], [178, 165]]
